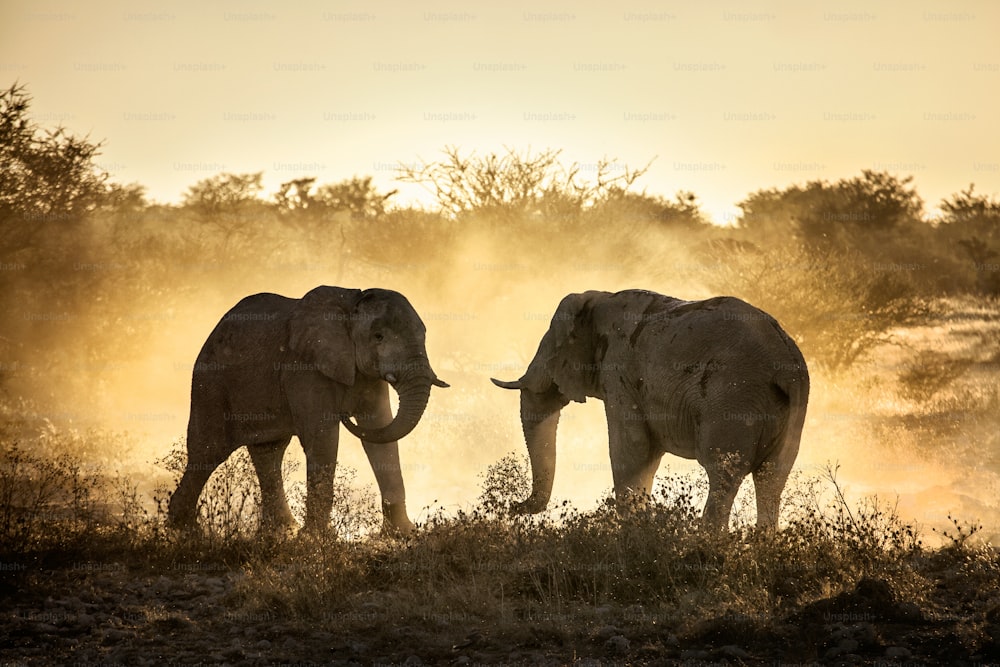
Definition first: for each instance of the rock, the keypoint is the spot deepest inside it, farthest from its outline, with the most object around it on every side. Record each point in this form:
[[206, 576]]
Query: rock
[[843, 647], [262, 645], [85, 621], [871, 600], [848, 645], [695, 655], [322, 637], [910, 612], [233, 654], [606, 632], [44, 628], [865, 633], [291, 645], [635, 611], [898, 652], [72, 604], [618, 644], [734, 651], [113, 636]]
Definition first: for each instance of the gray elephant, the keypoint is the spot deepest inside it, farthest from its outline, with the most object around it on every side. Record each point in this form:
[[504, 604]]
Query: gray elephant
[[275, 367], [717, 381]]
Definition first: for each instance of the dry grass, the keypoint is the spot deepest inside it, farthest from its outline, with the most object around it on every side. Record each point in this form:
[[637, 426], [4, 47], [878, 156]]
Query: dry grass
[[558, 579]]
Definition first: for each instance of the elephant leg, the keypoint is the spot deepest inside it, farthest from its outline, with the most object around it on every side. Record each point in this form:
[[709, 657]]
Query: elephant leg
[[723, 454], [652, 465], [722, 489], [267, 457], [633, 462], [384, 459], [208, 446], [769, 481], [320, 446], [202, 462]]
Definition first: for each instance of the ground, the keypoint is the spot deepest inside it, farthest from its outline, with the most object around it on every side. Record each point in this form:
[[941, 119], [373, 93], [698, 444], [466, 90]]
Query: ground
[[90, 613]]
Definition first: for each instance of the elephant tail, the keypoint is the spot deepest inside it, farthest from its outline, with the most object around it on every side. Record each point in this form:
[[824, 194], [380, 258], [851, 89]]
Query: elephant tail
[[791, 386]]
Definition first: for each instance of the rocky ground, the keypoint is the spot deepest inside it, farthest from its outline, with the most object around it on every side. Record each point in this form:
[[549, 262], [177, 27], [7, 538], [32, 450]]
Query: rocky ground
[[106, 614]]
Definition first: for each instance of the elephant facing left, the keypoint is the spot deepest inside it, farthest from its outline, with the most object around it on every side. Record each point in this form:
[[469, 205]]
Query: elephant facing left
[[275, 367]]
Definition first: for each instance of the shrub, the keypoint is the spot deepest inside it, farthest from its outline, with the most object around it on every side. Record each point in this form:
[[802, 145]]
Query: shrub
[[45, 500], [836, 306], [930, 372]]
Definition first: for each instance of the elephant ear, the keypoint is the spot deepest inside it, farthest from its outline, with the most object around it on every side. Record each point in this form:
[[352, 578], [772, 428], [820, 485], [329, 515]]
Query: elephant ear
[[319, 331], [625, 312], [562, 356]]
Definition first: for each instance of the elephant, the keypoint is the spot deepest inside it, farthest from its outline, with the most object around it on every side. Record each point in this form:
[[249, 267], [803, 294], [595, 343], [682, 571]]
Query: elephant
[[275, 367], [717, 381]]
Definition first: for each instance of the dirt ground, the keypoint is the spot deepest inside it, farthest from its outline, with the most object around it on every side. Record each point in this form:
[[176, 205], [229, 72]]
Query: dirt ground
[[88, 614]]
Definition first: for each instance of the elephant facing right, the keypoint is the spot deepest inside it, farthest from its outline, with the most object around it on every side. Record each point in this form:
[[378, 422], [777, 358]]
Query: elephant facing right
[[717, 381]]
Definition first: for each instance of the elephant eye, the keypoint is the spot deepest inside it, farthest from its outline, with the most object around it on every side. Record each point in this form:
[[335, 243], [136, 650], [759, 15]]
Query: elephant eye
[[379, 337]]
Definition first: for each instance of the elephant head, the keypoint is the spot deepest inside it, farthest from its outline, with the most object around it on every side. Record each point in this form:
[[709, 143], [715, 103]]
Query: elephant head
[[564, 369], [375, 333]]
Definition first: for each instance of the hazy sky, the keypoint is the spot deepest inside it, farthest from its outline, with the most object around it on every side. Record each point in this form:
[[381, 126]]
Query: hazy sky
[[728, 97]]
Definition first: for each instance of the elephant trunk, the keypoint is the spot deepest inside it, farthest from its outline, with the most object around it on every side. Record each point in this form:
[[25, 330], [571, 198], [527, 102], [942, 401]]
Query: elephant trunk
[[539, 420], [414, 392]]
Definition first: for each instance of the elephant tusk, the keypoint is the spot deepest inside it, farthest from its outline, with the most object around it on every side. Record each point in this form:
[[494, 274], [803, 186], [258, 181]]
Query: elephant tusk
[[438, 382], [516, 384], [353, 427], [390, 378]]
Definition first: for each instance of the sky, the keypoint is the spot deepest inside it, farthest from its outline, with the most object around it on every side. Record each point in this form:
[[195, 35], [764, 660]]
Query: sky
[[725, 98]]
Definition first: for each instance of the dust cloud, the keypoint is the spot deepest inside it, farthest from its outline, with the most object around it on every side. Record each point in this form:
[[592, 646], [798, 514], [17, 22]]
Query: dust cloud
[[122, 364]]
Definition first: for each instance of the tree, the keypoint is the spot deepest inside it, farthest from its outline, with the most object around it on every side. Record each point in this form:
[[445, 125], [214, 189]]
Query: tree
[[227, 202], [772, 213], [293, 196], [683, 212], [850, 213], [47, 177], [224, 192], [125, 199], [513, 184], [972, 222], [356, 195], [971, 214]]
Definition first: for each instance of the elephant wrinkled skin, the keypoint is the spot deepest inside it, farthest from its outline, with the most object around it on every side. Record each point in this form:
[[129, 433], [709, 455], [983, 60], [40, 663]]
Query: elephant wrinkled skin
[[275, 367], [717, 381]]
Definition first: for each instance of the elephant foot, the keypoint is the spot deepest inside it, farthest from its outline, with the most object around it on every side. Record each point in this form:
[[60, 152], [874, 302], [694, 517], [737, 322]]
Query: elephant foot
[[533, 505], [181, 517], [279, 525], [317, 532], [395, 521], [181, 529], [628, 502]]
